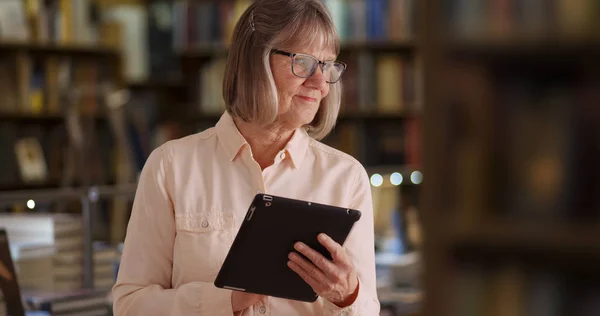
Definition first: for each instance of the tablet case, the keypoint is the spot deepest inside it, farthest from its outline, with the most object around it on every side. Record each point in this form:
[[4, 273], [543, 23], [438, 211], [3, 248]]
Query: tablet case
[[257, 259]]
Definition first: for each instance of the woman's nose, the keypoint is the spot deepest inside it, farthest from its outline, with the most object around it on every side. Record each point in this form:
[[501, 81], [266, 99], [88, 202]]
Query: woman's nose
[[318, 80]]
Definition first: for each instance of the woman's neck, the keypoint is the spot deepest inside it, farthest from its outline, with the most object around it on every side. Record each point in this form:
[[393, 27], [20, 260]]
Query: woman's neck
[[265, 143]]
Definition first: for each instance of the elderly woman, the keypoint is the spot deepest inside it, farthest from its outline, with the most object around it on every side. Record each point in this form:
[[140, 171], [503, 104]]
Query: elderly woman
[[282, 90]]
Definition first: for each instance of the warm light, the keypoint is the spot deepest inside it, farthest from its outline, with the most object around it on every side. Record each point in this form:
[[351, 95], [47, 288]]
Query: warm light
[[416, 177], [31, 204], [376, 180], [396, 178]]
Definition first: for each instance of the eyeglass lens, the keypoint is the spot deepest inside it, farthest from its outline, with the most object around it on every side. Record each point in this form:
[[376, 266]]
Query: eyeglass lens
[[305, 66]]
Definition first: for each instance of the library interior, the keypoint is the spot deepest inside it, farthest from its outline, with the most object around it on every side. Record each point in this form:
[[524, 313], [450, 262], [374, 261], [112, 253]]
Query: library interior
[[477, 122]]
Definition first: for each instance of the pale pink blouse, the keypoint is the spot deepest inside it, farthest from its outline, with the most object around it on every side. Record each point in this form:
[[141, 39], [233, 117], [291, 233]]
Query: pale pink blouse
[[192, 196]]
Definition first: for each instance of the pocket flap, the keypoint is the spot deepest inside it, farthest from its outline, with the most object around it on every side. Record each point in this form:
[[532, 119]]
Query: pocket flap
[[205, 221]]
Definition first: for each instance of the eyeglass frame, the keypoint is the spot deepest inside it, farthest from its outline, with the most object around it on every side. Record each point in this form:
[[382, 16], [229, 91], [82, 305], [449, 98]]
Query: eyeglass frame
[[320, 64]]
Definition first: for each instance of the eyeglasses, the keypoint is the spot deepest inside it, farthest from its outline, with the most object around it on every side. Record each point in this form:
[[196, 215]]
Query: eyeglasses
[[304, 66]]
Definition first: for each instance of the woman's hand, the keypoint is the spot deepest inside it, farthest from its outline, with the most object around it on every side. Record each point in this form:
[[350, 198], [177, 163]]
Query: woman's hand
[[240, 300], [334, 280]]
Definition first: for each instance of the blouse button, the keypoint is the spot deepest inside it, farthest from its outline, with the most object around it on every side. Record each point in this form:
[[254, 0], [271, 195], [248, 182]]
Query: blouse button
[[204, 224], [282, 156], [262, 310]]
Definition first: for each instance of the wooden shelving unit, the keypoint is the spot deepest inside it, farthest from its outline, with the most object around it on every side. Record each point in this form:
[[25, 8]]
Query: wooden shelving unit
[[50, 48], [494, 241], [523, 49]]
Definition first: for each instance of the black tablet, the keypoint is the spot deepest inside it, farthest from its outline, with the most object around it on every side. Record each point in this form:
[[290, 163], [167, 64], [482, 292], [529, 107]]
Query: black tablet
[[257, 259]]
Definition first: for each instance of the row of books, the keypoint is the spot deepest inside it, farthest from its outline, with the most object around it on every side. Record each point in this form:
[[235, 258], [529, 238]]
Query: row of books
[[517, 290], [212, 22], [380, 83], [61, 21], [369, 20], [514, 18], [48, 86]]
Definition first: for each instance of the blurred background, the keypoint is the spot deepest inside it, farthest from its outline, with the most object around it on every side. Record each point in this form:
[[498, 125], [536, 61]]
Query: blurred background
[[478, 122]]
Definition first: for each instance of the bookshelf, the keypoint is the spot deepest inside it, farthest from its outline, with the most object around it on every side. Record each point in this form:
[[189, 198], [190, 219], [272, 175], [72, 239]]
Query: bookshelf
[[53, 48], [510, 208]]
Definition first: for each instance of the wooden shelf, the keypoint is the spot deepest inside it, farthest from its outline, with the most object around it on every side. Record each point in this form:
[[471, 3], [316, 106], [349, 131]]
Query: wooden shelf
[[372, 116], [524, 48], [538, 241], [204, 51], [58, 49], [22, 186], [380, 46], [155, 85], [32, 119], [43, 119]]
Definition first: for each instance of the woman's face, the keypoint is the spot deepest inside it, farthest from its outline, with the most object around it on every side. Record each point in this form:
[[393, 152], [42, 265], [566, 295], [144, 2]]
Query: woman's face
[[299, 98]]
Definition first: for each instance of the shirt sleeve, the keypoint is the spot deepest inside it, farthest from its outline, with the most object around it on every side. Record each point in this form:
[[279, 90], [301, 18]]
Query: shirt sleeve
[[360, 246], [143, 285]]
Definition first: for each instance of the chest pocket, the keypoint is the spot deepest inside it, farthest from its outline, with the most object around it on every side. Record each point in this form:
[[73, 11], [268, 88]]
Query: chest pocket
[[204, 222], [203, 240]]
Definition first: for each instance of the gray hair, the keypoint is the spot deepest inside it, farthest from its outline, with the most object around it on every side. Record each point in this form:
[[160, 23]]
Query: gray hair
[[249, 89]]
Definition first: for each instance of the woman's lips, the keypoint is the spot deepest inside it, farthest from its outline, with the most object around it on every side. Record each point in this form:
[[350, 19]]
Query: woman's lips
[[309, 99]]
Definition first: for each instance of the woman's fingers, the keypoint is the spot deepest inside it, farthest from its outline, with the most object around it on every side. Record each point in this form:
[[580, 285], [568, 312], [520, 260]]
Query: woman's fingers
[[324, 264], [308, 267], [334, 280], [308, 277], [336, 250]]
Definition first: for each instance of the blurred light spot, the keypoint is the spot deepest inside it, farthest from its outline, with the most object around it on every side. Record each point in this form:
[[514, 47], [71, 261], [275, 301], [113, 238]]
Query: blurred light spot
[[396, 178], [376, 180], [416, 177], [31, 204]]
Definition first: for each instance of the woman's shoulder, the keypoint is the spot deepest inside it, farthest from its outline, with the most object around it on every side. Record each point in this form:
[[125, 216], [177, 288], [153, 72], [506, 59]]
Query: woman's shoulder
[[186, 144], [334, 155]]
